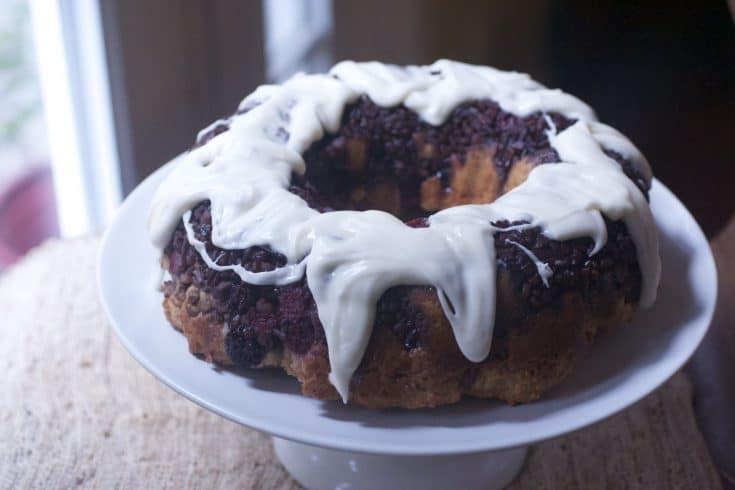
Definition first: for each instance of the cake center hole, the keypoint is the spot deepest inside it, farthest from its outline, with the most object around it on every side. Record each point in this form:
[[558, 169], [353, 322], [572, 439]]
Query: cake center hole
[[388, 159]]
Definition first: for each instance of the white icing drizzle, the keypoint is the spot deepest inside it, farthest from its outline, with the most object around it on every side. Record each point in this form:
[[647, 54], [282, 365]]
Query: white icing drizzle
[[543, 269], [350, 258]]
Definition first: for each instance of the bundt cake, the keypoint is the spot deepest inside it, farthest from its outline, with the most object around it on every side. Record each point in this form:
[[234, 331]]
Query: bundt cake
[[403, 236]]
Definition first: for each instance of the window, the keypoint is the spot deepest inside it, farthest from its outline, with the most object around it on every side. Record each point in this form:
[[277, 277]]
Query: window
[[27, 207], [75, 89]]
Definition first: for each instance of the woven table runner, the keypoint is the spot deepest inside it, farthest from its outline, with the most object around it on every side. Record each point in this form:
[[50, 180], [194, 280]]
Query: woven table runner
[[77, 410]]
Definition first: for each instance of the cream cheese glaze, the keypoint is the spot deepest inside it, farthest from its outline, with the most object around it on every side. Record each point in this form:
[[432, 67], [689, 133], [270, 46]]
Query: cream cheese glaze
[[543, 269], [350, 258]]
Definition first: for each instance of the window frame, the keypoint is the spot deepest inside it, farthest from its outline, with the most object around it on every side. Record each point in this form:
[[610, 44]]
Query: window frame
[[72, 70]]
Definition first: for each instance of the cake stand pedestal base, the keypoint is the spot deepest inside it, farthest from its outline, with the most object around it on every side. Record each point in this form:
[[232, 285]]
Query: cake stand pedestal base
[[319, 468]]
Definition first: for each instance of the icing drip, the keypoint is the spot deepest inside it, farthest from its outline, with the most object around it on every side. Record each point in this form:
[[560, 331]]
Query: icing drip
[[350, 258], [543, 269]]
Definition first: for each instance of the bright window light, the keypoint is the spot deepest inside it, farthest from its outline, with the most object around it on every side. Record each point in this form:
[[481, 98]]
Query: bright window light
[[74, 83], [297, 36]]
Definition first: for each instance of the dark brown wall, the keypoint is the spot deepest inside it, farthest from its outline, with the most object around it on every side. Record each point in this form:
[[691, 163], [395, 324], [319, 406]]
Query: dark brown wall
[[175, 66], [422, 31]]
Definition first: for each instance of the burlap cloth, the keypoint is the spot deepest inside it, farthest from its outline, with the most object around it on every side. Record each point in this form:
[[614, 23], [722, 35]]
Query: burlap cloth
[[77, 410]]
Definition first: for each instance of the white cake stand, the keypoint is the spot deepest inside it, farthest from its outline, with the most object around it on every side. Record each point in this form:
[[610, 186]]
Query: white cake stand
[[474, 444]]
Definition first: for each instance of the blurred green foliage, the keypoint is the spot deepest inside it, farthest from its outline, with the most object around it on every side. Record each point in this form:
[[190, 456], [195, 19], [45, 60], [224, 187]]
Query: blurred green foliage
[[18, 83]]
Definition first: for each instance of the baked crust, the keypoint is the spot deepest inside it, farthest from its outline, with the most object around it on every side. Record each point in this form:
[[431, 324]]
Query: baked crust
[[537, 353]]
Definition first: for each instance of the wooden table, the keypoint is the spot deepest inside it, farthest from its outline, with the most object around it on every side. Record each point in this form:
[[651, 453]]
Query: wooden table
[[77, 410]]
